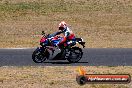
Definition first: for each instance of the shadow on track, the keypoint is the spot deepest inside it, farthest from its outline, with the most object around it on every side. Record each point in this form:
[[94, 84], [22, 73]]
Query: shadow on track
[[65, 62]]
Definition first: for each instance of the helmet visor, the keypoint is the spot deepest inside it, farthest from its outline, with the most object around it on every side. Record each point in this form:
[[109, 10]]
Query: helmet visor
[[61, 28]]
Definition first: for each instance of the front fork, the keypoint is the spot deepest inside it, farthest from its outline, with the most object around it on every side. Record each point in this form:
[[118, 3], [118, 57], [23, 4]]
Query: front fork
[[41, 49]]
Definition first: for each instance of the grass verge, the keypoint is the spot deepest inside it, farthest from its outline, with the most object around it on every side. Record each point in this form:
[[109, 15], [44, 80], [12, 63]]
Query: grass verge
[[47, 76], [102, 23]]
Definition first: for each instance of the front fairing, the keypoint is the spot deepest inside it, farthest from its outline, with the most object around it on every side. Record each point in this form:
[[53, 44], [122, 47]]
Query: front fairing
[[44, 41]]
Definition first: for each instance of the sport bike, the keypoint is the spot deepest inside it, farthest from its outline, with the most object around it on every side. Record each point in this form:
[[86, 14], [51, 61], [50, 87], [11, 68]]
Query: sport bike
[[68, 50]]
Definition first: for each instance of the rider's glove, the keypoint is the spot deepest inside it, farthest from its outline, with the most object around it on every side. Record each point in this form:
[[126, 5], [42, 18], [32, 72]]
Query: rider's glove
[[50, 38]]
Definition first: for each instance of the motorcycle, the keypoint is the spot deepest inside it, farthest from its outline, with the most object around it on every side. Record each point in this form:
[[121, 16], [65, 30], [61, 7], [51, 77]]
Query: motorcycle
[[68, 51]]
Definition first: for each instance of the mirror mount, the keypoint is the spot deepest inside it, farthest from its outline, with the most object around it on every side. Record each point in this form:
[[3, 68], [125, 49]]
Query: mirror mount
[[43, 33]]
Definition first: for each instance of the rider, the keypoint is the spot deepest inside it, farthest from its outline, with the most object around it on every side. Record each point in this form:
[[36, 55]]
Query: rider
[[68, 35]]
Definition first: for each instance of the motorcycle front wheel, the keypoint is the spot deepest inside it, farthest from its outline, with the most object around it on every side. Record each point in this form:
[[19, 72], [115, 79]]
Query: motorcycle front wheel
[[38, 56], [75, 54]]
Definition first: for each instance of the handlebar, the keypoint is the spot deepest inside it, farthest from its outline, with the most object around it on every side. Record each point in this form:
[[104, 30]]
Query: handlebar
[[45, 35]]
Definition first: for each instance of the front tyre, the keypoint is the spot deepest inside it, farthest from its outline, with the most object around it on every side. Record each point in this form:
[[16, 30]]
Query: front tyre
[[38, 56], [75, 54]]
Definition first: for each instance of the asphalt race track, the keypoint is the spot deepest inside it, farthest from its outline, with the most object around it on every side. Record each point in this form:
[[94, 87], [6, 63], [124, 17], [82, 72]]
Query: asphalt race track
[[91, 57]]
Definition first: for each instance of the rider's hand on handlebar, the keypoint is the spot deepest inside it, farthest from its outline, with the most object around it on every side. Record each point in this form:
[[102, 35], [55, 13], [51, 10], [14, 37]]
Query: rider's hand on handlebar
[[50, 38]]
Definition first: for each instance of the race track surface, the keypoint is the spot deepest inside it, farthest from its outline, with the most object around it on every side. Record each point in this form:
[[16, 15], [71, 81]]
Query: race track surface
[[91, 57]]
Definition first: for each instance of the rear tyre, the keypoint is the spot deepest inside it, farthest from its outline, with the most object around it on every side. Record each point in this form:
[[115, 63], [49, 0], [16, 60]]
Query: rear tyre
[[75, 54], [39, 57]]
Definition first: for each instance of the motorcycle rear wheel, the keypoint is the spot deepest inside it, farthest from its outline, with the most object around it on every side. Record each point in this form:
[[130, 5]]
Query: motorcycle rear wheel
[[75, 54]]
